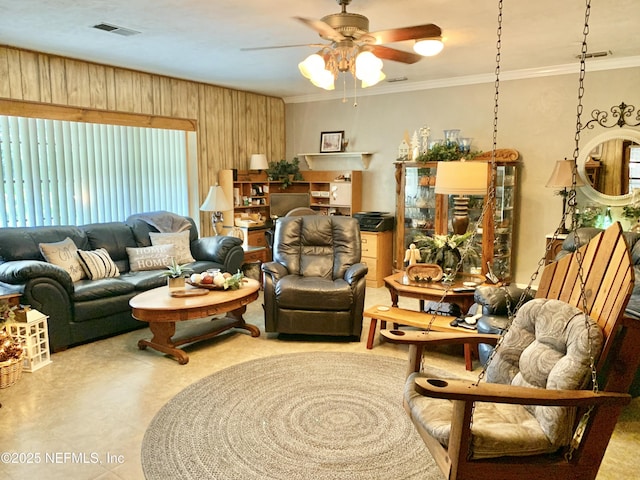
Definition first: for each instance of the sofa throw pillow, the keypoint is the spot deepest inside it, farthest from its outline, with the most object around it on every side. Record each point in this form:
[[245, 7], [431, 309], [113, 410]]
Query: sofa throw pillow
[[64, 254], [180, 240], [150, 258], [98, 264]]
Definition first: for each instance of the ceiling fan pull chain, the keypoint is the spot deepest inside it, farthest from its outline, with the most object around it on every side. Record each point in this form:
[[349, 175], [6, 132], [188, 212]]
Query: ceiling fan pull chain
[[355, 92]]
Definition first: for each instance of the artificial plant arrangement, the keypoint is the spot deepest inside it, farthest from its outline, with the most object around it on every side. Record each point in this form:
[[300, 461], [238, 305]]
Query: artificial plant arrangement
[[444, 250], [445, 152], [10, 349], [285, 172]]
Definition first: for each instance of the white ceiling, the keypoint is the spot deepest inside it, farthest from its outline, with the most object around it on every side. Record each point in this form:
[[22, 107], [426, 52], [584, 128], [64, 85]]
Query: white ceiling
[[201, 40]]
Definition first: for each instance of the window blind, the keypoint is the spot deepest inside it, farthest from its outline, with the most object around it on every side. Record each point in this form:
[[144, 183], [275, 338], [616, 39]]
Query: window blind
[[72, 173]]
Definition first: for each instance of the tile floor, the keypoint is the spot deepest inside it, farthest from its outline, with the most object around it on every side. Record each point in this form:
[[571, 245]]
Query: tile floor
[[84, 416]]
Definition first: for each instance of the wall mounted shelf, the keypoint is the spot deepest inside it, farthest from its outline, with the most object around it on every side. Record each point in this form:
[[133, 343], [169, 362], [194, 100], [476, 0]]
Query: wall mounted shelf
[[365, 157]]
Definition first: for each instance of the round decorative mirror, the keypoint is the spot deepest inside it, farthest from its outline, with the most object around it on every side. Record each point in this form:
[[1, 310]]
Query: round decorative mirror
[[609, 165]]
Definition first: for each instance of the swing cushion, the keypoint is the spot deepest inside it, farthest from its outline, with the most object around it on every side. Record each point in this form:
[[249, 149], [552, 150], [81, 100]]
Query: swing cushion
[[547, 346]]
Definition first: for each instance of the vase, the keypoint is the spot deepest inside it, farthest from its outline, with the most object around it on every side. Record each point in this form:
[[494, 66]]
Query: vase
[[177, 283], [636, 227]]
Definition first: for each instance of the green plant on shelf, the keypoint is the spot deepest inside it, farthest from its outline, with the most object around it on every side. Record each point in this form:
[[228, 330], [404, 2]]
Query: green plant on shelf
[[445, 152], [285, 172]]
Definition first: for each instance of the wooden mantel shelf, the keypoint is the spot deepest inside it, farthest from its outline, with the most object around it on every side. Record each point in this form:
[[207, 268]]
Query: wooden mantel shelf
[[365, 157]]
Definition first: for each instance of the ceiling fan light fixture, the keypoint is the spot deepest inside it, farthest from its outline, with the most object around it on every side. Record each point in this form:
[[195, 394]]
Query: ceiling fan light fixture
[[323, 79], [311, 66], [372, 80], [428, 47], [367, 66]]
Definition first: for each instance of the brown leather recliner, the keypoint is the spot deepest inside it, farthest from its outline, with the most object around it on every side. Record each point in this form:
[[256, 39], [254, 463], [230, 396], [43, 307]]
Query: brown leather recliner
[[316, 283]]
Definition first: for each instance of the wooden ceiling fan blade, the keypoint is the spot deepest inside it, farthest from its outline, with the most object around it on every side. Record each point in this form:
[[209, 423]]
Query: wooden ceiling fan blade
[[316, 45], [406, 33], [387, 53], [326, 31]]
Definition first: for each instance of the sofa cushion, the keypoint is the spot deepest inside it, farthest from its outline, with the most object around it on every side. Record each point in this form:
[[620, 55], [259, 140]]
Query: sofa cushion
[[65, 255], [86, 290], [114, 237], [144, 280], [22, 243], [97, 264], [150, 258], [180, 240], [313, 293]]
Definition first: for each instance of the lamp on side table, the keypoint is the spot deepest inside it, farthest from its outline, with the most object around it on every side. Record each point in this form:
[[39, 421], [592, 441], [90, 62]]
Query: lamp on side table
[[216, 203], [564, 177]]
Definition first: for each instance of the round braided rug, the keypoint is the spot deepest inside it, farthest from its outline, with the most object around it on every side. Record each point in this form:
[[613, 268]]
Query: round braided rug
[[320, 415]]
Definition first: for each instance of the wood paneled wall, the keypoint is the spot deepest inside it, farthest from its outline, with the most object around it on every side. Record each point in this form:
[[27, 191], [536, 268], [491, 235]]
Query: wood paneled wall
[[231, 124]]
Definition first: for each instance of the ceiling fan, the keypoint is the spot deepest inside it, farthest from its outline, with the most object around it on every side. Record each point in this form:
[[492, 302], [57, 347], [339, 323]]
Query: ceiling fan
[[354, 49]]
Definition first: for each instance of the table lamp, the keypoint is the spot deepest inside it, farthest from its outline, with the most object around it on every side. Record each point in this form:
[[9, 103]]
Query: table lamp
[[216, 203], [258, 162], [562, 178], [461, 178]]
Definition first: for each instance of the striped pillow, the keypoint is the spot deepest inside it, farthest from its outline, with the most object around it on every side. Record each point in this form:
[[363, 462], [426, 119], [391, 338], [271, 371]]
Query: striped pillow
[[98, 264]]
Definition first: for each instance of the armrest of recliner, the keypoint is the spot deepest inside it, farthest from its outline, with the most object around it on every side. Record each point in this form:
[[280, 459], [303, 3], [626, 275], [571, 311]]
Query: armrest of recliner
[[275, 270], [355, 272]]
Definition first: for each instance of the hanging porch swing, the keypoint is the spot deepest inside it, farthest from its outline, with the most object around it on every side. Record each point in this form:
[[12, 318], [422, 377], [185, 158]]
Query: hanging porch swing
[[547, 401]]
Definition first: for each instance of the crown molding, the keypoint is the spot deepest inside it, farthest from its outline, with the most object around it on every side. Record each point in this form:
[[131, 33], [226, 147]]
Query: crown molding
[[566, 69]]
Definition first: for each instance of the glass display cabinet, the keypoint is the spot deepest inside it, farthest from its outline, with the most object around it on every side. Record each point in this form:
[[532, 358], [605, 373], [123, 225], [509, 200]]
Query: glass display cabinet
[[419, 210]]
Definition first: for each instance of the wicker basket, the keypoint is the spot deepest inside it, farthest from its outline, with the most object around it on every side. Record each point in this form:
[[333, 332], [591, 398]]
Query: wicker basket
[[10, 371]]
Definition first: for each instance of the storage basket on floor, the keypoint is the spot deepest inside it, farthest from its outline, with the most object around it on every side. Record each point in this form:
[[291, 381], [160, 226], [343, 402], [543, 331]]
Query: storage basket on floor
[[10, 371]]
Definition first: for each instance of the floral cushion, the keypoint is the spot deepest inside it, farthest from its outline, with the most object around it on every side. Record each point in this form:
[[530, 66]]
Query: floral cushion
[[547, 346]]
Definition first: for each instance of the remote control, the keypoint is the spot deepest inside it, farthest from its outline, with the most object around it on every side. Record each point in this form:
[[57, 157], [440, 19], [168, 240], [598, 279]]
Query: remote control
[[464, 289]]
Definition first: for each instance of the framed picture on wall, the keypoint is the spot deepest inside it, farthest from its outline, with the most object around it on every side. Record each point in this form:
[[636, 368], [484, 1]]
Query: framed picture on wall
[[331, 141]]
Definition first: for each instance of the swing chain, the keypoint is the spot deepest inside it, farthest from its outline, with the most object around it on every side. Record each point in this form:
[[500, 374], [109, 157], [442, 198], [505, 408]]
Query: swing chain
[[492, 190], [577, 436]]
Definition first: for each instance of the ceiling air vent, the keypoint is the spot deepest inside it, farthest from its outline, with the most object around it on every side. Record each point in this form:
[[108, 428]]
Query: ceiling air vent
[[125, 32], [604, 53], [397, 79]]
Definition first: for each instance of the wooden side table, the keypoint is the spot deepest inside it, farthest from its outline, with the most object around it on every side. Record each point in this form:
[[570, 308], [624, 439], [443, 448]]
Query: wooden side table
[[254, 254]]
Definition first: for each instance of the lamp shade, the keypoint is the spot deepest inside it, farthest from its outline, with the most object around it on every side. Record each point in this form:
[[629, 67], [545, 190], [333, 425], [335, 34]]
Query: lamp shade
[[461, 178], [216, 201], [258, 162], [562, 175]]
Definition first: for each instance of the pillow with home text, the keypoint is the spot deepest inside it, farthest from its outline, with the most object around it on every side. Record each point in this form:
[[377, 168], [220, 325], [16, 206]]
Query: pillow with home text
[[150, 258]]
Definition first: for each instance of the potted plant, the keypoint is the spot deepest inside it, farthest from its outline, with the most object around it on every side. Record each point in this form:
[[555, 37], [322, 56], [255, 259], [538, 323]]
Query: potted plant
[[175, 274], [444, 250], [285, 172], [11, 351]]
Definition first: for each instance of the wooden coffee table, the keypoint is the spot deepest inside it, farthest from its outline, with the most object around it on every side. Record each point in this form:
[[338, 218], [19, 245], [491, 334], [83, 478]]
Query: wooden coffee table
[[162, 311]]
